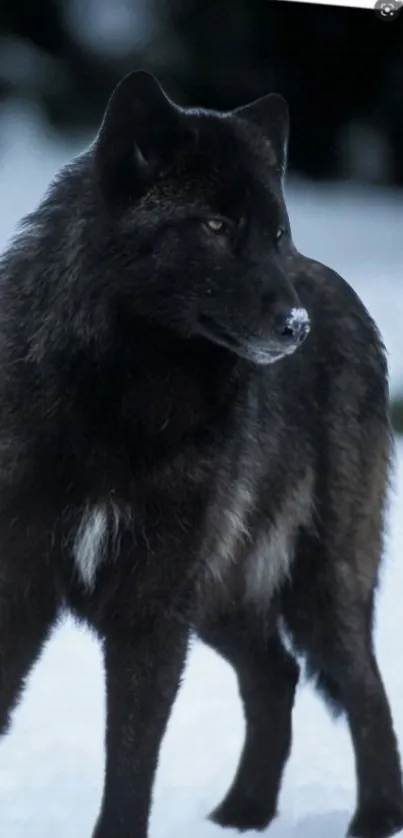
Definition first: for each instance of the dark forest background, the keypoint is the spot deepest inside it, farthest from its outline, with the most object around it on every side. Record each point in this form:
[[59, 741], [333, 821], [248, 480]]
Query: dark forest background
[[341, 70]]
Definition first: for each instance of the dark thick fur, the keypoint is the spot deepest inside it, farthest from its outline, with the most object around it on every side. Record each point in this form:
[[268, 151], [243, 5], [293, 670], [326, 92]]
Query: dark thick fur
[[159, 474]]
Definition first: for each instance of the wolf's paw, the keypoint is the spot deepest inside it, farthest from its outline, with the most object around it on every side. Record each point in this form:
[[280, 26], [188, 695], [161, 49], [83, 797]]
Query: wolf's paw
[[243, 814], [380, 820]]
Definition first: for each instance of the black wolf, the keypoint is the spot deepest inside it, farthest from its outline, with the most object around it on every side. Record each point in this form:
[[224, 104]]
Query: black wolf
[[177, 453]]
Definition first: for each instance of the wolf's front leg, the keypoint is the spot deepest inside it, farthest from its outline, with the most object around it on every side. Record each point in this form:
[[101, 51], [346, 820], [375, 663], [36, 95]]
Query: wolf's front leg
[[143, 673]]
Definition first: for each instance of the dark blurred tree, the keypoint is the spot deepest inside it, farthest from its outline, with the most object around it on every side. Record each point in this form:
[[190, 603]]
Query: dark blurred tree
[[69, 82], [338, 67], [334, 65]]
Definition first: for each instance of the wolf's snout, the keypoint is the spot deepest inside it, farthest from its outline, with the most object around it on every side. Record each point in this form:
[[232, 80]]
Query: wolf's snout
[[292, 326]]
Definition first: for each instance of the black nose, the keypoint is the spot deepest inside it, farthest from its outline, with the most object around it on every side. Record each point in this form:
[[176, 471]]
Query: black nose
[[292, 326]]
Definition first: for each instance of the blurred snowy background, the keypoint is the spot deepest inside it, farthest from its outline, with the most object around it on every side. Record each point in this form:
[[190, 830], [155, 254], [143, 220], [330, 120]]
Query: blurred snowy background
[[57, 66]]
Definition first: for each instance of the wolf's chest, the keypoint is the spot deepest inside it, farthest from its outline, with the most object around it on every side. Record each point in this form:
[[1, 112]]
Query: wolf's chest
[[228, 527], [258, 548]]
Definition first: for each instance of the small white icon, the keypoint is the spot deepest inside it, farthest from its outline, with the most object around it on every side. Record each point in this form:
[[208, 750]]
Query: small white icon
[[388, 10]]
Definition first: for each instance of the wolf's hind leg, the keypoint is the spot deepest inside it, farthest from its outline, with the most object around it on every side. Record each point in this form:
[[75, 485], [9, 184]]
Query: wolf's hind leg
[[330, 618], [267, 678]]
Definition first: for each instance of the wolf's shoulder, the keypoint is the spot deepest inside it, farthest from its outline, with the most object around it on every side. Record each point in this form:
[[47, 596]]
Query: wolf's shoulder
[[331, 298], [344, 334]]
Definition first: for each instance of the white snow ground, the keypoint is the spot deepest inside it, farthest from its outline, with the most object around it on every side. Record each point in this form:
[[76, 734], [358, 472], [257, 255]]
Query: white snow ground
[[51, 763]]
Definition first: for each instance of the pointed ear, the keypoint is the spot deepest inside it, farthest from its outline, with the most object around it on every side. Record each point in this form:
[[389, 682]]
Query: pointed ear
[[138, 131], [271, 114]]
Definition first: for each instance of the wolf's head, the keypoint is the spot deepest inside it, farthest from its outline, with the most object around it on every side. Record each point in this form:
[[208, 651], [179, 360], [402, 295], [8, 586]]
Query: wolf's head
[[195, 219]]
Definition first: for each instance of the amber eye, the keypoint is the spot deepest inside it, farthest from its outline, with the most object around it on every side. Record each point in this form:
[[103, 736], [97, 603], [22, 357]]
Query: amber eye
[[215, 225]]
